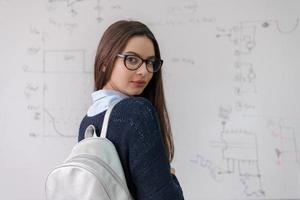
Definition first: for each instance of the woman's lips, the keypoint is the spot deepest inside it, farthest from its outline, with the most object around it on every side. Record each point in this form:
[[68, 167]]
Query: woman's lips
[[138, 83]]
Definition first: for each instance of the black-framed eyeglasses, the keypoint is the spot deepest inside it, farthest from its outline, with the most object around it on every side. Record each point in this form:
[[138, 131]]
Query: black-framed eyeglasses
[[133, 62]]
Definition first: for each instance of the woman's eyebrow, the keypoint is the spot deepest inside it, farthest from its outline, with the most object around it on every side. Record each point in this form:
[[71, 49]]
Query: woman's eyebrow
[[134, 53]]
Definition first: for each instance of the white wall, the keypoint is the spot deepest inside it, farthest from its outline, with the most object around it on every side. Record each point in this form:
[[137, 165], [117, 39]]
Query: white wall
[[231, 75]]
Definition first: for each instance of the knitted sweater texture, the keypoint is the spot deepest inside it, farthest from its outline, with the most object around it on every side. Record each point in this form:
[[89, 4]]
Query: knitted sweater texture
[[134, 130]]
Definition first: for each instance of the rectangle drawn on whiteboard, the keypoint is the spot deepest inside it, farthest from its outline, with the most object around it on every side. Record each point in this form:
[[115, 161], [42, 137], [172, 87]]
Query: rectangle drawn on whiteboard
[[64, 61]]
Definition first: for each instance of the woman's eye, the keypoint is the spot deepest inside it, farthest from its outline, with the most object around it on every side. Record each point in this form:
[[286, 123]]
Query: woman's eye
[[132, 59], [151, 62]]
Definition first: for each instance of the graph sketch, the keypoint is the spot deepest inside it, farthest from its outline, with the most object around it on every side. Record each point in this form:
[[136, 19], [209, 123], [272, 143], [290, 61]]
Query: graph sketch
[[230, 72]]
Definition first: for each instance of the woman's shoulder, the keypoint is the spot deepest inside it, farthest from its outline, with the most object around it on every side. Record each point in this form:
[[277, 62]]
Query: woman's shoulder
[[136, 110], [136, 101], [136, 105]]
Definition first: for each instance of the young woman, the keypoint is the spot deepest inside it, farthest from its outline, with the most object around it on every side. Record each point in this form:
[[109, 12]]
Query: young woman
[[128, 68]]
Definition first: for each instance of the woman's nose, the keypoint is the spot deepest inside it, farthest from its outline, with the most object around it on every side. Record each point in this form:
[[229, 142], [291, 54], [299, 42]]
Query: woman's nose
[[142, 69]]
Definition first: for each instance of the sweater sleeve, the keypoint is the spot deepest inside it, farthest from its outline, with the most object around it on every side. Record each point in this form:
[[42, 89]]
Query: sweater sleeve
[[148, 163]]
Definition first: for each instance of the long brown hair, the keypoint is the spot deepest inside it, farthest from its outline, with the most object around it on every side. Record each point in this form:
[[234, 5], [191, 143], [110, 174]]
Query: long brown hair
[[113, 42]]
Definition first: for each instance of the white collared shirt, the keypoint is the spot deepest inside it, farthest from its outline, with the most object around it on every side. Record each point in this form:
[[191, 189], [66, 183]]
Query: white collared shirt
[[102, 99]]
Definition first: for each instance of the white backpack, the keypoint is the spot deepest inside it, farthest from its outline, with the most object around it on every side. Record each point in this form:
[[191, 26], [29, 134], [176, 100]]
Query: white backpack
[[92, 171]]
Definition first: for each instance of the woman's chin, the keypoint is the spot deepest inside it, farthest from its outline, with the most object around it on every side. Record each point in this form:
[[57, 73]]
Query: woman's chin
[[134, 92]]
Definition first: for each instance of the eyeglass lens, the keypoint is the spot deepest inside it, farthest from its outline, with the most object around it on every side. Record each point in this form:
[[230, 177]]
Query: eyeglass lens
[[133, 62]]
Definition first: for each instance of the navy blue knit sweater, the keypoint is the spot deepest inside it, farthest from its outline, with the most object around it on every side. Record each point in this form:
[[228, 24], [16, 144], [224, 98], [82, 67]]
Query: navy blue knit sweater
[[134, 130]]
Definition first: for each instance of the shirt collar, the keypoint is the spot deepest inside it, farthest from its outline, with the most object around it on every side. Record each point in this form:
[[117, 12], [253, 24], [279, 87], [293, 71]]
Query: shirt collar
[[102, 99], [106, 93]]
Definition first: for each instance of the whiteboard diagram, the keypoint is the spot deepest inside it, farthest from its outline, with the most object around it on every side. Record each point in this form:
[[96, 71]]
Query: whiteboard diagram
[[54, 111], [231, 76]]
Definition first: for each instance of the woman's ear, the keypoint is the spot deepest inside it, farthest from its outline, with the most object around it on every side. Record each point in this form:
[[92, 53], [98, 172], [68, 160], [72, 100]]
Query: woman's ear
[[103, 68]]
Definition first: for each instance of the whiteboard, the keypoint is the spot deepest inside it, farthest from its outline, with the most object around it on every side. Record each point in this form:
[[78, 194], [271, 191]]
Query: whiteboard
[[231, 73]]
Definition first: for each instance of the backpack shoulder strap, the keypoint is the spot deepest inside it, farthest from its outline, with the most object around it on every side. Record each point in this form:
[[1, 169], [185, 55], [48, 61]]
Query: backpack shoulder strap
[[106, 118]]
